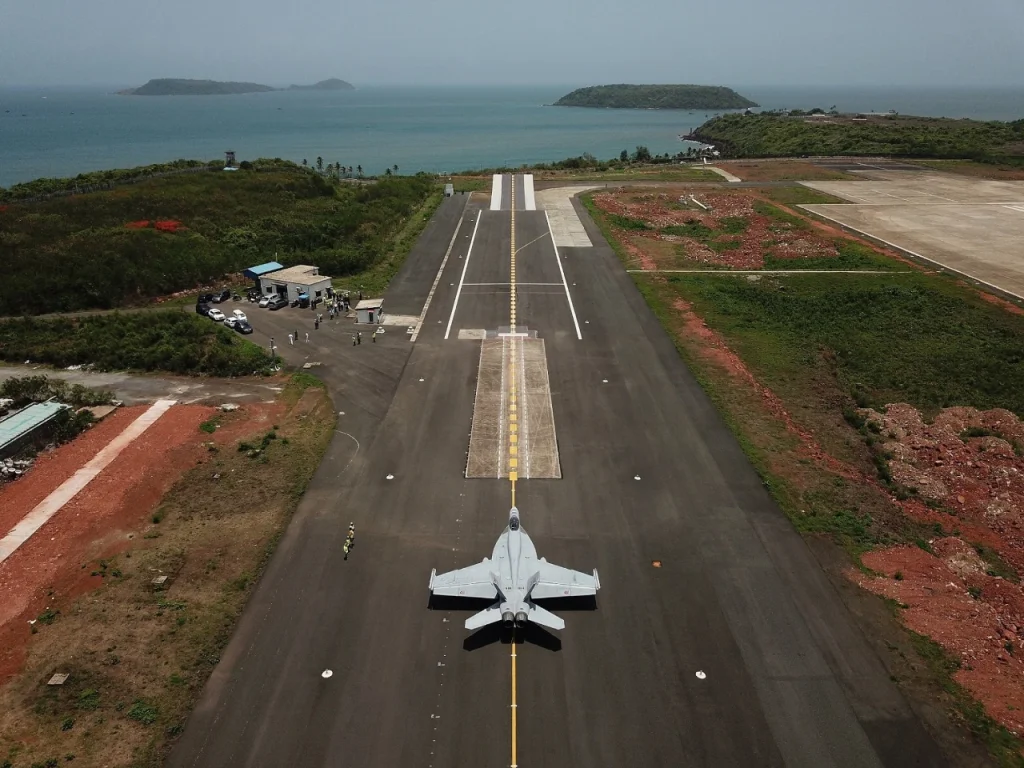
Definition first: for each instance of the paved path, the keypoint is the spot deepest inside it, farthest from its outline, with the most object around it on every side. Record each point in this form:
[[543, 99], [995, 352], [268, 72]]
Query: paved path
[[650, 472]]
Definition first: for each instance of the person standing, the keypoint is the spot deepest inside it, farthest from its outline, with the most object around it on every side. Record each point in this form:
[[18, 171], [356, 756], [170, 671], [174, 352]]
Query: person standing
[[291, 339], [307, 337], [359, 337]]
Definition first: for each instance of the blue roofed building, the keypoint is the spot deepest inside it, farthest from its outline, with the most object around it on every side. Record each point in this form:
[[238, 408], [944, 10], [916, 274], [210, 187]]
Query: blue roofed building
[[255, 273]]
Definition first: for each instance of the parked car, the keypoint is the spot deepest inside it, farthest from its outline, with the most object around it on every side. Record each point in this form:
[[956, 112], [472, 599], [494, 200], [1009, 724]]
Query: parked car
[[230, 321], [265, 300], [202, 309], [215, 314], [206, 298], [240, 315], [277, 302], [243, 327]]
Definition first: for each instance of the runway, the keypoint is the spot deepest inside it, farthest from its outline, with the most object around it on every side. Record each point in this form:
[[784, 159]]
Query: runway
[[649, 473]]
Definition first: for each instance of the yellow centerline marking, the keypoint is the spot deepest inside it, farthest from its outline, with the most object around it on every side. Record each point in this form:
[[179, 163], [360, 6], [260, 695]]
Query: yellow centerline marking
[[513, 438]]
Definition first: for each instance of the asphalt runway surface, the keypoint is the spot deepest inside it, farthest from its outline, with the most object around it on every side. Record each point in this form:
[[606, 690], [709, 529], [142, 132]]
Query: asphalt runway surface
[[650, 472]]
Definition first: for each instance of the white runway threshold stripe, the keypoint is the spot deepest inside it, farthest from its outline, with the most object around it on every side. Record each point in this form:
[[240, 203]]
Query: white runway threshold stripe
[[70, 488], [496, 192], [529, 200]]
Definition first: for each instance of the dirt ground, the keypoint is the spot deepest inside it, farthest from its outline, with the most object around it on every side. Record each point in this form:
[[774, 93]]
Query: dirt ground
[[781, 170], [78, 597], [762, 235], [95, 523]]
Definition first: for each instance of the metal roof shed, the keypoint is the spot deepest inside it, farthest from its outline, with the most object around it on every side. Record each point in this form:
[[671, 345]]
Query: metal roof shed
[[21, 426], [262, 269]]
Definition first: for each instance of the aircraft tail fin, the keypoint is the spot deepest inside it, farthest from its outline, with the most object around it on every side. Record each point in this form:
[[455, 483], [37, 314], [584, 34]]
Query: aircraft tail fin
[[538, 615]]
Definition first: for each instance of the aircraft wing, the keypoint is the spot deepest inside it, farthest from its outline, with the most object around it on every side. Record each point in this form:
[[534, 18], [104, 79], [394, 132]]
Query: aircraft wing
[[556, 581], [475, 581]]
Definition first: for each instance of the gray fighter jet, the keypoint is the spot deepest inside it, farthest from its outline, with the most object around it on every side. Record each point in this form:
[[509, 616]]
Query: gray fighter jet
[[514, 577]]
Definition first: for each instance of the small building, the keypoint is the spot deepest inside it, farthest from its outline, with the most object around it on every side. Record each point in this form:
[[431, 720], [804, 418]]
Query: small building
[[27, 425], [370, 311], [449, 190], [294, 281], [255, 273]]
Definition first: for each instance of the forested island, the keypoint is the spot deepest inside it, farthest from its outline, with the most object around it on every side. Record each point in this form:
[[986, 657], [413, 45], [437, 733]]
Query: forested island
[[170, 86], [656, 97], [789, 134]]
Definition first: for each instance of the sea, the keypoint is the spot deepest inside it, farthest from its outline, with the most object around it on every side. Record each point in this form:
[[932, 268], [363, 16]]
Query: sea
[[56, 132]]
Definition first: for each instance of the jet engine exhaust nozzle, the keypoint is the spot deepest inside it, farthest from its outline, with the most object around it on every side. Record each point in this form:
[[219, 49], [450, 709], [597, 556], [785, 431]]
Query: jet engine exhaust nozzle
[[521, 618], [507, 619]]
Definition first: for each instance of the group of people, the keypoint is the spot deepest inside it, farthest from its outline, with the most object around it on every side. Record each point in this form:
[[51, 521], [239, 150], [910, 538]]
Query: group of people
[[350, 540]]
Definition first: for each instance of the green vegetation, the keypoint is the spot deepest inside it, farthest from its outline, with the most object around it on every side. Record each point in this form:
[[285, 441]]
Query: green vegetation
[[24, 390], [172, 86], [800, 195], [656, 97], [851, 256], [375, 279], [127, 245], [915, 338], [82, 181], [779, 135], [171, 340]]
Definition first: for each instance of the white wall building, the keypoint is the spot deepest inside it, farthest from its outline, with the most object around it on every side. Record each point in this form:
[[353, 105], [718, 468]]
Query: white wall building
[[293, 281]]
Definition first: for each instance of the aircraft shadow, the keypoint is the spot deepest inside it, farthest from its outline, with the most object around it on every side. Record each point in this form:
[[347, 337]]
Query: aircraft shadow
[[498, 633]]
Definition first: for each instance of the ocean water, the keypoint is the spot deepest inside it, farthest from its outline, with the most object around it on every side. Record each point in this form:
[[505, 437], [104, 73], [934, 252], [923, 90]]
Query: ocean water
[[66, 131]]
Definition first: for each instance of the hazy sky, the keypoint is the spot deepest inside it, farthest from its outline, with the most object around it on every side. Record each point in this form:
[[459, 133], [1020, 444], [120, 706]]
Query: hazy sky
[[729, 42]]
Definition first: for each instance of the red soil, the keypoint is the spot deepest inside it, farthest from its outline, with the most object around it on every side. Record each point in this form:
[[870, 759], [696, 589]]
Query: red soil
[[983, 632], [92, 525], [763, 234]]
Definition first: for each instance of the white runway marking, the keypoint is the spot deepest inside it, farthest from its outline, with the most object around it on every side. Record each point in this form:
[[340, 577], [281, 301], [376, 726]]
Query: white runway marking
[[528, 197], [1016, 208], [496, 192], [70, 488], [558, 261], [465, 265]]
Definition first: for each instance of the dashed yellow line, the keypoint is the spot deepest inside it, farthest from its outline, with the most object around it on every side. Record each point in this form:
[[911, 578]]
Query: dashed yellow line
[[513, 432]]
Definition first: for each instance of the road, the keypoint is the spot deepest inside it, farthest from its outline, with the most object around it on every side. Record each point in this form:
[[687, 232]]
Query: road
[[650, 472]]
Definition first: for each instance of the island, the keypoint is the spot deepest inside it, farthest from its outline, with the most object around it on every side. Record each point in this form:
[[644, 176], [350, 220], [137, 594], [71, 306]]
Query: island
[[172, 86], [331, 84], [656, 97]]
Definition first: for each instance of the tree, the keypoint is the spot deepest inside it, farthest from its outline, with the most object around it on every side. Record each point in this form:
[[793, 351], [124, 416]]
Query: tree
[[642, 155], [359, 169], [395, 166], [350, 170], [305, 162], [623, 156], [320, 164], [387, 171]]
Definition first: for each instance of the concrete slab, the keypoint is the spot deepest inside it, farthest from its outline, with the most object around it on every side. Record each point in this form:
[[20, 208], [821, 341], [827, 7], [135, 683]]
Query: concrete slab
[[971, 226], [731, 178], [980, 241], [566, 226]]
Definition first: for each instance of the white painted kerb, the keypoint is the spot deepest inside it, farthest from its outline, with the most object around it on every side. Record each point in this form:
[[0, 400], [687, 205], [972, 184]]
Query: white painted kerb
[[70, 488]]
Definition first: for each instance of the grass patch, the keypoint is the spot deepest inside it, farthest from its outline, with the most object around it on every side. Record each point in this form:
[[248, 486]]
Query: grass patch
[[138, 661], [624, 222], [779, 215], [852, 256], [914, 338], [800, 195], [733, 225], [471, 183], [375, 279], [170, 340], [692, 228], [210, 425]]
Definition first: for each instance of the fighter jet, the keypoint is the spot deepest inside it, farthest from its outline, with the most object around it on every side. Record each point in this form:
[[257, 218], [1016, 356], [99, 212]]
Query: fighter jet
[[514, 577]]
